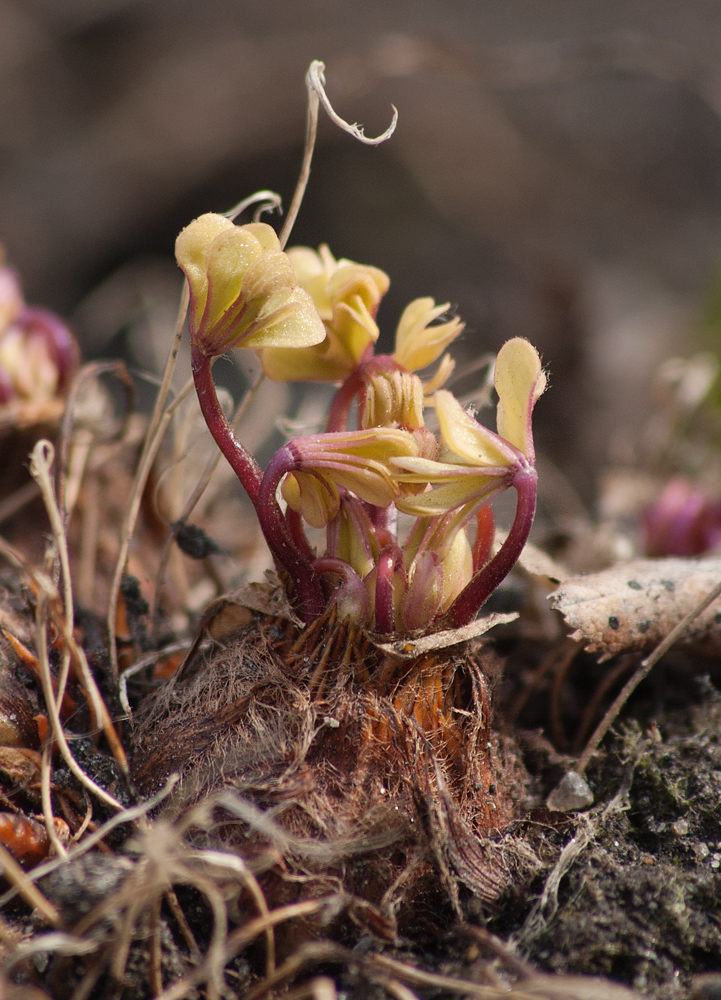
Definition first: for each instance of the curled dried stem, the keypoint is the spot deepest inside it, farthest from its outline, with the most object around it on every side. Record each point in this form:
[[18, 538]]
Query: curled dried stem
[[267, 201], [315, 85]]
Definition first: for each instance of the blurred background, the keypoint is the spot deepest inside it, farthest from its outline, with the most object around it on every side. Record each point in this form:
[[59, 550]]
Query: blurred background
[[555, 173]]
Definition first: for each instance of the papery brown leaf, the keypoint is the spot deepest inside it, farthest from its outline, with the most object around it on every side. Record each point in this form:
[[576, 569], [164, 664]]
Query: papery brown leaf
[[408, 648], [631, 607], [229, 612]]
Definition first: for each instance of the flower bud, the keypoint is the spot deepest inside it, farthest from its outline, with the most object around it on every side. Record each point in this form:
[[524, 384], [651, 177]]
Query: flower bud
[[393, 399], [38, 356]]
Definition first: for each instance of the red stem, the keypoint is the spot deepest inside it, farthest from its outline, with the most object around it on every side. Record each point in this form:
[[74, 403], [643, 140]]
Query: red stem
[[472, 598], [486, 529], [254, 483], [241, 461], [280, 540]]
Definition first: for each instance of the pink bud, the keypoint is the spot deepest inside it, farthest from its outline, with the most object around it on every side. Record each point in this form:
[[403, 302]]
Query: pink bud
[[57, 337]]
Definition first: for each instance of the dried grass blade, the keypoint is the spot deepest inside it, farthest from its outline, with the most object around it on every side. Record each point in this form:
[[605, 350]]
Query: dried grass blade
[[156, 428], [30, 893]]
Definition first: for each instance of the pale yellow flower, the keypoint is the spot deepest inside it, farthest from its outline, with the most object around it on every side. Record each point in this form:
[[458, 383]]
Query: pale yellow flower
[[347, 296], [243, 289], [358, 461], [418, 342], [478, 464]]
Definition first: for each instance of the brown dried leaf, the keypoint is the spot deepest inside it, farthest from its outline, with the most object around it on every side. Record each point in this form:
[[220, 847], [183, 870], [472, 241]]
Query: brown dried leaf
[[409, 649], [20, 768], [634, 605], [229, 613]]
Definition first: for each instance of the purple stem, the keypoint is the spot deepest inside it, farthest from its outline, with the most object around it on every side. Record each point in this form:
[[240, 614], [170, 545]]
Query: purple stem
[[297, 534], [241, 461], [472, 598], [280, 541], [262, 496]]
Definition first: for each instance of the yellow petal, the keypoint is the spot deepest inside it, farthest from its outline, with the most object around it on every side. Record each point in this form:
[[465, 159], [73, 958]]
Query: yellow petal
[[418, 344], [316, 500], [457, 568], [354, 328], [424, 470], [440, 377], [227, 261], [351, 280], [519, 381], [369, 482], [264, 234], [313, 364], [452, 495], [473, 443], [191, 249], [296, 325]]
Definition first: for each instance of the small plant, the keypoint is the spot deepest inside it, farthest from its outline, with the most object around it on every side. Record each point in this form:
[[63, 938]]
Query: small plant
[[312, 318], [38, 356]]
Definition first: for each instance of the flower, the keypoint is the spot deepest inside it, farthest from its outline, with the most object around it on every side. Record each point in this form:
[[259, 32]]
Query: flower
[[347, 296], [243, 289], [683, 521], [419, 344], [357, 461], [38, 352], [477, 464], [393, 398]]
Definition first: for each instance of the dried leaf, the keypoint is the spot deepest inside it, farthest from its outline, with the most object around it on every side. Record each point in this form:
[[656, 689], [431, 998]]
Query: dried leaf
[[634, 605], [408, 649], [229, 613]]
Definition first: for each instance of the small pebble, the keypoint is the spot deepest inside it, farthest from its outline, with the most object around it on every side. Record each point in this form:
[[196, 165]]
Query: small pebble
[[680, 827], [572, 793], [701, 851]]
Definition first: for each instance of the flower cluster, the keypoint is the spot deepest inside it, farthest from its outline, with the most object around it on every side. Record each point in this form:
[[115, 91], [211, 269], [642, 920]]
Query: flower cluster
[[312, 318], [38, 353]]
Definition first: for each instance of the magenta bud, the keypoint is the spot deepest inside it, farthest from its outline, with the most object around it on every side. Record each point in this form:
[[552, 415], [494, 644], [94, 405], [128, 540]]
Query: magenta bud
[[684, 521], [351, 597], [57, 337]]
